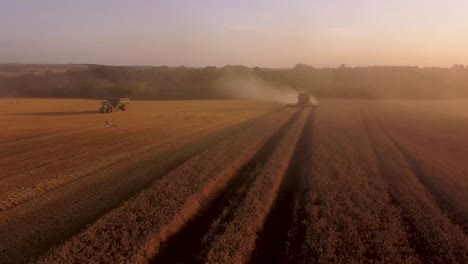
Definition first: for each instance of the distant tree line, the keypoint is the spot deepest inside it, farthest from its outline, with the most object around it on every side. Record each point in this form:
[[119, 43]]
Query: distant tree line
[[202, 83]]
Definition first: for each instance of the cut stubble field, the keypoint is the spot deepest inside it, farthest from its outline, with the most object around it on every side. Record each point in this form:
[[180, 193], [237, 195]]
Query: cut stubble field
[[62, 167], [234, 182]]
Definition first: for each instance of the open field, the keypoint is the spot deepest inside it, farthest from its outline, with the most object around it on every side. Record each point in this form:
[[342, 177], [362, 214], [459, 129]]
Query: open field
[[61, 166], [234, 182]]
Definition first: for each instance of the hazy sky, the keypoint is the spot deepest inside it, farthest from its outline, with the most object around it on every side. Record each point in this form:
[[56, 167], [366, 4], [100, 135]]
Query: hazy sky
[[269, 33]]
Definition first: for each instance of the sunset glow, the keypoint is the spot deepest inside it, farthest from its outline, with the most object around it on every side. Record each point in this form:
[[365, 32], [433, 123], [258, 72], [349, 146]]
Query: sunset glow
[[252, 33]]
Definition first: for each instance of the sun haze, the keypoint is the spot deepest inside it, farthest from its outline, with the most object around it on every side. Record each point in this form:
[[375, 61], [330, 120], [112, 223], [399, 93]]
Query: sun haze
[[214, 131], [252, 33]]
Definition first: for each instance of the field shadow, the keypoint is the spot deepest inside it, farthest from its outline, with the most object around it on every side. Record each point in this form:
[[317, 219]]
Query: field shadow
[[284, 232], [70, 113]]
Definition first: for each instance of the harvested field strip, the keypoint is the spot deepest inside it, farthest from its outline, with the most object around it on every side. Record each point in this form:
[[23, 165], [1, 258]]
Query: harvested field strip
[[16, 151], [107, 136], [53, 155], [42, 180], [282, 237], [236, 243], [134, 231], [32, 228], [434, 237], [29, 140], [14, 197], [44, 120], [197, 236], [100, 134], [108, 143], [15, 192]]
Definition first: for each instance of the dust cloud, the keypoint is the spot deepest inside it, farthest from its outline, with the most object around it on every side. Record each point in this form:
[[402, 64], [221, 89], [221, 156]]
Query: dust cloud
[[246, 85]]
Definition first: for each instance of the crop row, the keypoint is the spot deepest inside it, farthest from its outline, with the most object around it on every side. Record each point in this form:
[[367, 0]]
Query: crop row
[[434, 237], [237, 242], [47, 176], [134, 231]]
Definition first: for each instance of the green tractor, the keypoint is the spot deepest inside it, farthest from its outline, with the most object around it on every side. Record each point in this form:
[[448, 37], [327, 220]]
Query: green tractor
[[114, 105]]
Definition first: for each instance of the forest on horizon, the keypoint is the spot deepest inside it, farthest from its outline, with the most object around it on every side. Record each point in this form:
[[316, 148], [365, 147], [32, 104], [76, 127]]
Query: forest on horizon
[[168, 83]]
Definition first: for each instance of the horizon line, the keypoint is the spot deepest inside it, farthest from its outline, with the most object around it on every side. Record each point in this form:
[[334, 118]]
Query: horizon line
[[460, 65]]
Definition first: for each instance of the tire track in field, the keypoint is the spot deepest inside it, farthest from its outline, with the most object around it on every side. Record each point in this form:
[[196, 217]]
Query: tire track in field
[[44, 136], [41, 189], [284, 233], [417, 243], [41, 156], [36, 186], [134, 231], [29, 141], [64, 212], [86, 148], [443, 202], [237, 241], [64, 138], [81, 177], [44, 150], [90, 140], [209, 220], [432, 236]]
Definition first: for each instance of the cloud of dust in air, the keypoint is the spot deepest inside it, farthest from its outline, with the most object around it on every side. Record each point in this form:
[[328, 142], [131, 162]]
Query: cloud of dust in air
[[245, 85]]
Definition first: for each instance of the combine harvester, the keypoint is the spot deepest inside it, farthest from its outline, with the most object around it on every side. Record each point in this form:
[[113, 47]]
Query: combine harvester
[[114, 105], [303, 100]]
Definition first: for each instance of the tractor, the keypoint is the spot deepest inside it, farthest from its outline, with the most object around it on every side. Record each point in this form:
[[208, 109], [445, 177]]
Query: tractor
[[114, 105]]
